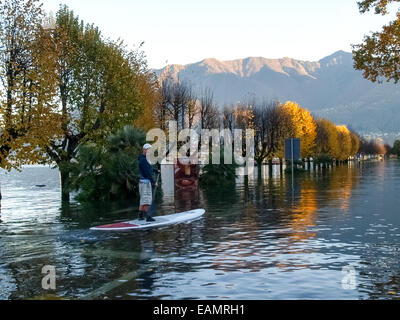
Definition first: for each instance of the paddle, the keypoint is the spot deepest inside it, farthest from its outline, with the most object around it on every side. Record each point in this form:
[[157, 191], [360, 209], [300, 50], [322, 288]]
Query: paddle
[[153, 207]]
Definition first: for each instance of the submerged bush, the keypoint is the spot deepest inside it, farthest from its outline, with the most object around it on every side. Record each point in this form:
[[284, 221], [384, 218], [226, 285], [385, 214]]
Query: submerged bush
[[219, 174], [323, 159], [296, 170], [110, 171], [298, 167]]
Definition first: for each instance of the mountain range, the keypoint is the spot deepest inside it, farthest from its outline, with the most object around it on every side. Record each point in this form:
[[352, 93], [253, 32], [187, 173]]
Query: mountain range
[[329, 88]]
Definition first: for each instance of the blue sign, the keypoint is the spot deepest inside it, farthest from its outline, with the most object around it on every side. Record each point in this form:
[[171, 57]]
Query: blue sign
[[292, 149]]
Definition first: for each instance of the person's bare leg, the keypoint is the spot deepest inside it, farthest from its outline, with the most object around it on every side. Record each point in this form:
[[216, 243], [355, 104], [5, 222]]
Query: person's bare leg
[[147, 211], [143, 211]]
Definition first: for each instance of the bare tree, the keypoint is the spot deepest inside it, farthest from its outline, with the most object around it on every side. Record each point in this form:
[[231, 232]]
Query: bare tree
[[177, 103], [208, 111], [161, 112], [228, 117], [272, 126], [191, 110]]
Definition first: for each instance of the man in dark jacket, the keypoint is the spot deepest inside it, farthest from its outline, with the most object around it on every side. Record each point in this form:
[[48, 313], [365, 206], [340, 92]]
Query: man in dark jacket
[[145, 185]]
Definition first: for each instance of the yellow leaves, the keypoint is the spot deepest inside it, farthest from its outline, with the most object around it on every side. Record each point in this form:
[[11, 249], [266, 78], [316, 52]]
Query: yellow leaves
[[303, 127], [355, 143], [147, 88], [343, 130], [326, 143], [337, 142], [244, 117], [320, 137], [345, 144], [28, 104]]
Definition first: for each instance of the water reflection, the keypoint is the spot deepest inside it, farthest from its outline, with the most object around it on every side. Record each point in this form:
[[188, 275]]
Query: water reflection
[[260, 240]]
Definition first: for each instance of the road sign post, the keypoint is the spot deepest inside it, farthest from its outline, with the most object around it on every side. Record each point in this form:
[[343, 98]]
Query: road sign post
[[292, 153]]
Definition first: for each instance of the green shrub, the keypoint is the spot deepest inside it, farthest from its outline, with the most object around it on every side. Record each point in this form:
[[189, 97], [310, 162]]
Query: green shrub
[[218, 174], [111, 171]]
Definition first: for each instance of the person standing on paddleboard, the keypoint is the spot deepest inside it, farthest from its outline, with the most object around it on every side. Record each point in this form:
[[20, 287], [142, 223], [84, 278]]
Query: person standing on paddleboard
[[145, 185]]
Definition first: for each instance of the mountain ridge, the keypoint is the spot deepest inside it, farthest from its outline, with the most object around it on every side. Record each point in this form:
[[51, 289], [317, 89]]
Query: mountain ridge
[[285, 60]]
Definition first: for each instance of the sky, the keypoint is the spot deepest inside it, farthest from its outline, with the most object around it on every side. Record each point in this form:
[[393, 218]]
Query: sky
[[187, 31]]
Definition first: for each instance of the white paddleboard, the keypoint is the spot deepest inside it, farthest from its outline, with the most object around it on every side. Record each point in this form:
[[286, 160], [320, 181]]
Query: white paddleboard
[[160, 222]]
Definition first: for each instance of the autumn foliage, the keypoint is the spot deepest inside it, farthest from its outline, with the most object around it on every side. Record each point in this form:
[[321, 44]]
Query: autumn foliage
[[63, 84], [275, 122], [378, 56], [303, 127], [28, 109]]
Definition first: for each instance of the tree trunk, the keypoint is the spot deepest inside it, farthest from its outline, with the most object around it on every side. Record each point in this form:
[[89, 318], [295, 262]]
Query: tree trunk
[[270, 167], [65, 177], [259, 166], [259, 170]]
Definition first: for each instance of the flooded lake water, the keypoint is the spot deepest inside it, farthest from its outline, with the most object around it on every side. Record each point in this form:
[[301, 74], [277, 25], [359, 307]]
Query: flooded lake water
[[337, 236]]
